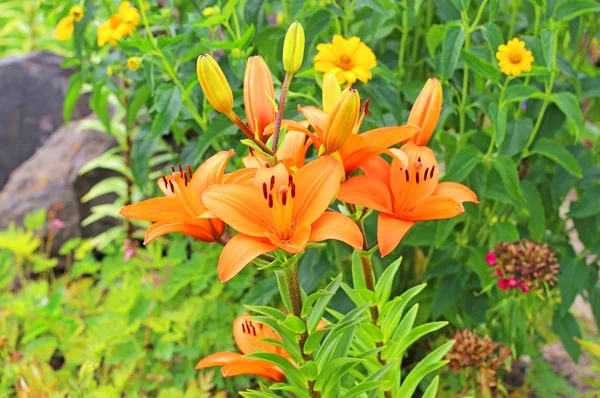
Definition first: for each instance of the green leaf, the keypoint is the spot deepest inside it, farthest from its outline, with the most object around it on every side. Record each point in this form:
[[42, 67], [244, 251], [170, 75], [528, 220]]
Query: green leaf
[[590, 87], [566, 10], [463, 164], [71, 96], [310, 370], [431, 391], [140, 96], [358, 276], [392, 312], [570, 106], [396, 349], [294, 324], [535, 205], [567, 328], [504, 232], [99, 104], [314, 340], [109, 185], [482, 67], [317, 313], [435, 35], [499, 116], [548, 39], [571, 281], [310, 300], [292, 374], [587, 205], [383, 288], [429, 364], [447, 293], [169, 104], [507, 170], [558, 154], [493, 36], [454, 38], [283, 291], [520, 92]]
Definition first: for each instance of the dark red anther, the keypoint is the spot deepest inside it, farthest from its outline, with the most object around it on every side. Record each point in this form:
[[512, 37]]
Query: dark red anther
[[270, 201], [272, 182], [173, 169], [185, 178], [251, 151], [284, 198], [367, 102], [172, 187], [190, 171], [417, 177], [406, 175], [360, 106], [265, 194], [244, 328], [432, 170], [293, 190], [290, 181], [425, 175], [180, 168], [165, 181]]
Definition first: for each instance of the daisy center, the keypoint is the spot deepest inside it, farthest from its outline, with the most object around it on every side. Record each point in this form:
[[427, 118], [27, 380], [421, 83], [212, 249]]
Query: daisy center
[[515, 58], [345, 62]]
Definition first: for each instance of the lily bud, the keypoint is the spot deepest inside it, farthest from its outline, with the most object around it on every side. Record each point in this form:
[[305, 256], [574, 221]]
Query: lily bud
[[341, 120], [426, 111], [331, 91], [293, 48], [214, 84], [258, 93]]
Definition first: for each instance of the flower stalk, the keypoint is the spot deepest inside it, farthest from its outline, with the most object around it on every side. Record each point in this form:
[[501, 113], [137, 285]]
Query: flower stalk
[[280, 109]]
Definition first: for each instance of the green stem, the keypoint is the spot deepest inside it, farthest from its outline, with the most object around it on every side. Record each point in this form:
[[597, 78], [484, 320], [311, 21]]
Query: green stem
[[280, 110], [293, 285], [513, 19], [500, 105], [403, 39]]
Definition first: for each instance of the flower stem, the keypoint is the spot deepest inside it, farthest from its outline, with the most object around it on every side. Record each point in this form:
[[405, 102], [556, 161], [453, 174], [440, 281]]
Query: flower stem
[[246, 130], [280, 109], [500, 105], [403, 39], [293, 286]]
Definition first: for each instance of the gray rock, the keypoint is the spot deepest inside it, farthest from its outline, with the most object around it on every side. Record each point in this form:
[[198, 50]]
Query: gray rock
[[32, 91], [50, 179]]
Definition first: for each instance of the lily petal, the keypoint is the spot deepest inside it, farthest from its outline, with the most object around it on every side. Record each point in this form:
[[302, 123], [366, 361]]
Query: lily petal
[[163, 209], [242, 207], [218, 359], [376, 167], [248, 335], [433, 208], [296, 243], [390, 136], [244, 366], [316, 186], [456, 191], [390, 232], [242, 176], [315, 116], [366, 191], [211, 171], [239, 252], [203, 233], [332, 225], [356, 159]]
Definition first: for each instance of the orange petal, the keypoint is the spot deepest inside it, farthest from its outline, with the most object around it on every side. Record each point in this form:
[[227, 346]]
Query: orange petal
[[242, 176], [242, 207], [290, 125], [390, 232], [211, 171], [247, 335], [356, 159], [258, 93], [244, 366], [316, 186], [433, 208], [164, 209], [315, 117], [426, 111], [390, 136], [456, 191], [367, 192], [332, 225], [293, 149], [376, 167], [296, 243], [278, 174], [218, 359], [240, 251], [205, 233]]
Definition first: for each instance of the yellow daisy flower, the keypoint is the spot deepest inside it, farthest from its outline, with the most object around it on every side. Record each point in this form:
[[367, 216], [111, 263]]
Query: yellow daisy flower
[[119, 25], [134, 64], [77, 13], [514, 58], [349, 60], [64, 28]]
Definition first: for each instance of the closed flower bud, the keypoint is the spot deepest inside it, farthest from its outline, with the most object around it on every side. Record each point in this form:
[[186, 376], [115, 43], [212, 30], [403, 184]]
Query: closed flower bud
[[331, 91], [293, 48], [134, 63], [214, 84], [76, 12], [258, 93], [341, 120], [426, 111]]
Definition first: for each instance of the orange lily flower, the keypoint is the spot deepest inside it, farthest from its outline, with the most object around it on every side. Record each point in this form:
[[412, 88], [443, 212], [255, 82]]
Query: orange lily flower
[[181, 209], [292, 152], [247, 335], [405, 195], [280, 211], [357, 148], [426, 111], [258, 93]]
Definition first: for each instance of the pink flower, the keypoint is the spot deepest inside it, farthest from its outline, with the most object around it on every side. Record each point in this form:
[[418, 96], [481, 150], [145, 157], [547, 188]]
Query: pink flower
[[497, 272], [490, 258], [58, 224], [503, 284], [130, 252], [525, 288], [512, 282]]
